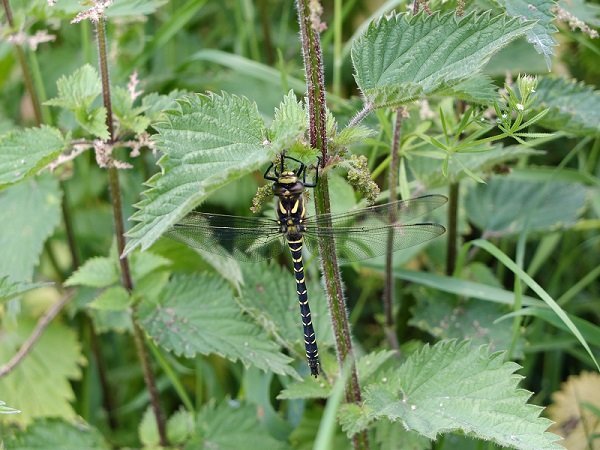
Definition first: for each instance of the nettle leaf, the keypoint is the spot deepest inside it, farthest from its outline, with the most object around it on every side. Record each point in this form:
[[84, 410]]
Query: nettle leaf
[[541, 205], [455, 387], [541, 12], [115, 298], [129, 117], [289, 123], [25, 152], [574, 107], [77, 93], [198, 314], [156, 105], [390, 436], [231, 425], [29, 213], [11, 289], [402, 57], [477, 89], [39, 386], [52, 434], [96, 272], [208, 142]]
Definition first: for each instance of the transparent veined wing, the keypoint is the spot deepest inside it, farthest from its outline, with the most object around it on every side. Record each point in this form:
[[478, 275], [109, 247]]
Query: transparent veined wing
[[365, 233], [245, 239]]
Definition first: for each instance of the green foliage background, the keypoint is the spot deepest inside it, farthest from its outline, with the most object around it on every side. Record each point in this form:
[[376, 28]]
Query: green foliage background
[[521, 157]]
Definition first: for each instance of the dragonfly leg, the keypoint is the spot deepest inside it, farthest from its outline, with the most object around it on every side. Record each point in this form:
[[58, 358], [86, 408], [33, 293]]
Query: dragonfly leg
[[310, 339]]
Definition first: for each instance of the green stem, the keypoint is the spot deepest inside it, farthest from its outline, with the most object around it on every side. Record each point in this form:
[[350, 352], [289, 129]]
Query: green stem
[[29, 86], [308, 16], [338, 58], [126, 279], [388, 291], [452, 228]]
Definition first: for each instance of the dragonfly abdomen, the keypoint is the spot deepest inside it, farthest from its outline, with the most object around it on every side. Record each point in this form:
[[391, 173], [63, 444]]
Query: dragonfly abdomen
[[310, 339]]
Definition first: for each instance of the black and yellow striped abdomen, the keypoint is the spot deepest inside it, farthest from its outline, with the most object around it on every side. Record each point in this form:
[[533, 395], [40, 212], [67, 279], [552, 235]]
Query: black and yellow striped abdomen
[[310, 340]]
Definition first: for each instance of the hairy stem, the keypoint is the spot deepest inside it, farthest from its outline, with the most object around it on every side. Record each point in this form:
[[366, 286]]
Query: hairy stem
[[29, 86], [388, 291], [452, 227], [309, 19], [126, 279]]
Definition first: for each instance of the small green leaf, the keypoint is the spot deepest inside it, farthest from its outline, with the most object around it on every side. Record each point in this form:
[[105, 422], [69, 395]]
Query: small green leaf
[[430, 53], [96, 272], [289, 123], [39, 385], [198, 314], [155, 106], [456, 387], [114, 298], [477, 89], [207, 143], [352, 135], [541, 206], [25, 152], [307, 388], [129, 117], [53, 434], [540, 36], [29, 213], [77, 94], [11, 289], [574, 107]]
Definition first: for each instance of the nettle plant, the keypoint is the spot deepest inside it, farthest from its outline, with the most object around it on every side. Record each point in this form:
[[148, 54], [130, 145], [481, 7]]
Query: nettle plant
[[429, 119]]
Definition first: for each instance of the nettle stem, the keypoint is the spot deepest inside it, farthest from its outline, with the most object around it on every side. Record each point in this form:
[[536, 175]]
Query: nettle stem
[[126, 279], [388, 291], [308, 15]]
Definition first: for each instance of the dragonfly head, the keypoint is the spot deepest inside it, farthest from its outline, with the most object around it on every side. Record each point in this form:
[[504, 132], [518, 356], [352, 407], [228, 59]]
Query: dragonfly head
[[288, 177], [288, 185]]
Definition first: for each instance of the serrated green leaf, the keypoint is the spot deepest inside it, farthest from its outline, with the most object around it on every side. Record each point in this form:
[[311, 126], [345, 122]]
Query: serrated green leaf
[[129, 117], [39, 385], [289, 123], [54, 434], [541, 206], [95, 272], [23, 153], [540, 36], [29, 213], [477, 89], [429, 53], [231, 425], [208, 142], [352, 135], [455, 387], [77, 93], [370, 363], [11, 289], [198, 314], [269, 296], [307, 388], [574, 107], [155, 106], [393, 436], [114, 298]]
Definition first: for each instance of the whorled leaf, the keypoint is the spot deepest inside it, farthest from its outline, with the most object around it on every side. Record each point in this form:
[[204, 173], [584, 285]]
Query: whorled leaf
[[455, 387], [507, 205], [206, 143], [29, 213], [540, 36], [402, 57], [574, 107], [39, 386], [54, 434], [197, 314], [24, 152]]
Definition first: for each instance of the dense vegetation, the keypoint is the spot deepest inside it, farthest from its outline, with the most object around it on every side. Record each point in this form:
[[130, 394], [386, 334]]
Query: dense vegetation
[[112, 335]]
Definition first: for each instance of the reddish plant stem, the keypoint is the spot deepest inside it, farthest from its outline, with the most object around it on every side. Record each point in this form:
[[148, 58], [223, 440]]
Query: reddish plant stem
[[126, 279]]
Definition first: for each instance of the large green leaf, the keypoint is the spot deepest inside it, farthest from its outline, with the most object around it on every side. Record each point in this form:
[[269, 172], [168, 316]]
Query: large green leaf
[[540, 11], [54, 434], [29, 213], [198, 314], [574, 107], [39, 385], [25, 152], [207, 142], [508, 206], [402, 57], [455, 387]]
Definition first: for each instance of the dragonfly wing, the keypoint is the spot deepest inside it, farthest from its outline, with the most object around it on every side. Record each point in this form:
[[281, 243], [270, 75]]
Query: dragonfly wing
[[356, 244], [245, 239], [400, 212]]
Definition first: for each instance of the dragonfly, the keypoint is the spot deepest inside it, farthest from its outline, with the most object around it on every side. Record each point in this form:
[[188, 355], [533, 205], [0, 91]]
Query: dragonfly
[[357, 234]]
